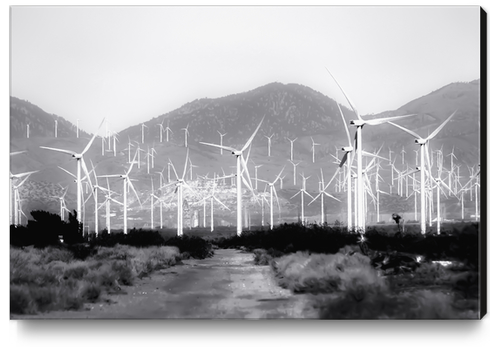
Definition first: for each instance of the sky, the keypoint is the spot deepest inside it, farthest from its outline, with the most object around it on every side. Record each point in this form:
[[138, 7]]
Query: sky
[[130, 64]]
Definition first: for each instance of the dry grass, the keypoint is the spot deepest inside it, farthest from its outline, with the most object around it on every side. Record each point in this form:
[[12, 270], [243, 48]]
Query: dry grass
[[50, 279]]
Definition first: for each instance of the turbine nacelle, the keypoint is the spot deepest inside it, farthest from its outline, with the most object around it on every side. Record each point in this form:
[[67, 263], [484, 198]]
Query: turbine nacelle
[[357, 122], [348, 149], [237, 153], [421, 141]]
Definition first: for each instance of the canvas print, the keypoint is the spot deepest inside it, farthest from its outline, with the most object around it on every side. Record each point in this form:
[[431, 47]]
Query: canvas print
[[242, 162]]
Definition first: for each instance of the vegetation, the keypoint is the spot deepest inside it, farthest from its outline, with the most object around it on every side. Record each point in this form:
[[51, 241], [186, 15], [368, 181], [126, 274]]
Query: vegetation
[[53, 279]]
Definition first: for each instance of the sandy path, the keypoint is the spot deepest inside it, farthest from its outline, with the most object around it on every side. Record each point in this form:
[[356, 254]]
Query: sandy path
[[225, 286]]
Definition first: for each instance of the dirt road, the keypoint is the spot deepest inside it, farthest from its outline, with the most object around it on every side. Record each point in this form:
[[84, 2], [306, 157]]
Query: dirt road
[[225, 286]]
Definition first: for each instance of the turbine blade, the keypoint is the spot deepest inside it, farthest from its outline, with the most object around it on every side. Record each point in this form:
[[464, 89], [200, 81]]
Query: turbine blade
[[68, 172], [331, 196], [345, 94], [87, 174], [344, 158], [93, 138], [295, 195], [314, 199], [335, 174], [215, 198], [379, 121], [406, 130], [279, 175], [59, 150], [132, 163], [231, 149], [253, 135], [245, 168], [345, 124], [134, 191], [439, 128], [185, 164]]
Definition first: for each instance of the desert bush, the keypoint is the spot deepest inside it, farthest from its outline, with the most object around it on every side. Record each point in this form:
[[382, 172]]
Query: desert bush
[[291, 238], [50, 254], [20, 300], [75, 270], [379, 303], [197, 247], [323, 273]]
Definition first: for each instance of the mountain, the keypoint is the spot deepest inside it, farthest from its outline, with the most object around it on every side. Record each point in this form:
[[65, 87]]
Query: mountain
[[41, 123], [290, 110]]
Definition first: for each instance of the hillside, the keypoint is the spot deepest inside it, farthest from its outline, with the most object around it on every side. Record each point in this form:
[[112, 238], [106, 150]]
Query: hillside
[[290, 111]]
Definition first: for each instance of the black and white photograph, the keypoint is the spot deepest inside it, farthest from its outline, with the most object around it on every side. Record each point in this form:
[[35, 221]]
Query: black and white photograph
[[247, 163]]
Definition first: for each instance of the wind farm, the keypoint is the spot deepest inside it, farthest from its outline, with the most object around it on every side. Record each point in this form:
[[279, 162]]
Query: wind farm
[[281, 180]]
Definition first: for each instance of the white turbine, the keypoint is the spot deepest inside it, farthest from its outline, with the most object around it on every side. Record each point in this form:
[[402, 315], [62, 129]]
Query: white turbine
[[272, 193], [359, 123], [292, 142], [239, 162], [212, 198], [143, 126], [424, 155], [126, 183], [180, 184], [186, 133], [313, 144], [323, 191], [269, 144], [80, 166], [221, 140]]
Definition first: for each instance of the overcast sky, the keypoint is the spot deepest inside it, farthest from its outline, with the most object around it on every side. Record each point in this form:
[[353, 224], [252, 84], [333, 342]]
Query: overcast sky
[[130, 64]]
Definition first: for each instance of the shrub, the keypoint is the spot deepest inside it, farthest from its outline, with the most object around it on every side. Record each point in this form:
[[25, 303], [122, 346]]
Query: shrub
[[20, 300], [197, 247], [323, 273], [378, 303], [50, 254]]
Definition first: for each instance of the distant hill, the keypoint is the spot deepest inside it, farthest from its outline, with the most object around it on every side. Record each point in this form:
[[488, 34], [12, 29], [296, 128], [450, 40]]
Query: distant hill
[[290, 110], [41, 123]]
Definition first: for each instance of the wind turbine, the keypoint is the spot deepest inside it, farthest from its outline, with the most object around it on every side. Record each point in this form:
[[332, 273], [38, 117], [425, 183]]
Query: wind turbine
[[80, 166], [424, 155], [186, 133], [313, 144], [272, 192], [294, 170], [96, 187], [114, 139], [78, 132], [180, 183], [303, 191], [143, 126], [107, 204], [212, 198], [239, 161], [269, 144], [359, 123], [56, 128], [167, 129], [292, 142], [256, 167], [61, 199], [15, 188], [126, 183], [161, 131], [221, 140], [323, 191]]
